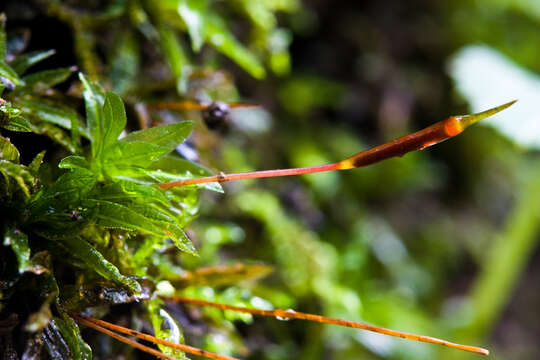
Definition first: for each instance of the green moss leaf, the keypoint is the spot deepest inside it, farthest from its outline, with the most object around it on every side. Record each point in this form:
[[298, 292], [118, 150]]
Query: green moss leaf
[[23, 62], [170, 332], [19, 244], [18, 124], [124, 190], [74, 162], [43, 80], [143, 217], [112, 215], [51, 112], [8, 151], [63, 340], [94, 97], [168, 224], [17, 177], [85, 252], [132, 153], [114, 118], [72, 335], [67, 191], [166, 136], [35, 165], [171, 167], [7, 72]]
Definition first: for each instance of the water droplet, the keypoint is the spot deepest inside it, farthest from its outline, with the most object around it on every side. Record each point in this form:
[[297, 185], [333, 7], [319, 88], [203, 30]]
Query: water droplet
[[286, 318]]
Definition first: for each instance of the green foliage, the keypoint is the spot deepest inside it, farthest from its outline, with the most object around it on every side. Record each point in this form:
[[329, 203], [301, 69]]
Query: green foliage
[[162, 24], [105, 195], [29, 106]]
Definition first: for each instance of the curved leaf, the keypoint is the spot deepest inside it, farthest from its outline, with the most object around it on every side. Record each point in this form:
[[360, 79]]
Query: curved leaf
[[73, 162], [114, 119], [7, 72], [132, 153], [44, 80], [166, 136], [23, 62], [71, 334], [8, 151], [93, 100], [85, 252], [52, 113], [19, 244]]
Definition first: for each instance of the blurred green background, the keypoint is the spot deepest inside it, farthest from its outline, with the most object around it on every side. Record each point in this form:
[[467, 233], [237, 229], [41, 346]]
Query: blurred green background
[[440, 242]]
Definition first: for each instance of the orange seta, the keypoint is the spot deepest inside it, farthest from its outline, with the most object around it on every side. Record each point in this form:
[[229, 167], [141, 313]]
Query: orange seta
[[419, 140], [291, 314]]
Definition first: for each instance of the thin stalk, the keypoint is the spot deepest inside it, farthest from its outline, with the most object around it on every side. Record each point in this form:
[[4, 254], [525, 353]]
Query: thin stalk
[[419, 140], [121, 338], [291, 314], [185, 348]]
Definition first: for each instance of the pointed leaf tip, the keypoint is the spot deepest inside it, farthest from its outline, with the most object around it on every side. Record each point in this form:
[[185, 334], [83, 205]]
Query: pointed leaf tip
[[468, 120]]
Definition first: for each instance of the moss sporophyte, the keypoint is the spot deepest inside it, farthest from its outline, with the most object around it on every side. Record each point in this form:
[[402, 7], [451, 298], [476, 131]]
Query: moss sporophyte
[[434, 134]]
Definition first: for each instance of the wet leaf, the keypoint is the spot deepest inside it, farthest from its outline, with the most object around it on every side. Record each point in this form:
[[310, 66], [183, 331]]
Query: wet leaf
[[19, 244], [67, 191], [8, 151], [74, 162], [19, 124], [85, 252], [171, 167], [140, 217], [117, 216], [170, 332], [123, 190], [50, 112], [56, 345], [71, 334], [17, 175], [166, 136], [135, 153], [114, 119], [35, 165], [94, 98], [7, 72], [168, 224]]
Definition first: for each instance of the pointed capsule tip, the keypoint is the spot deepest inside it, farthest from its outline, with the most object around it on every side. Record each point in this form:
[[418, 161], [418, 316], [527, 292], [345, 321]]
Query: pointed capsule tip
[[467, 120]]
